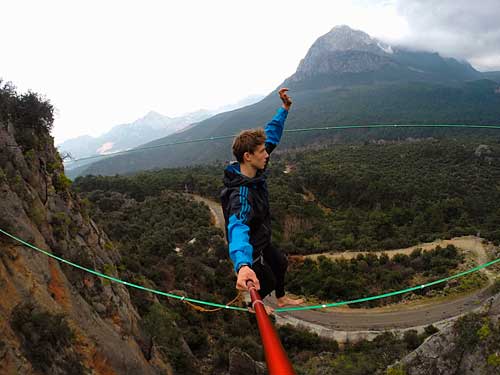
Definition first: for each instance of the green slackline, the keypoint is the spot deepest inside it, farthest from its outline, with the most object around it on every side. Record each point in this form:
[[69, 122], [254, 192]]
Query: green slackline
[[292, 131], [312, 307], [182, 298]]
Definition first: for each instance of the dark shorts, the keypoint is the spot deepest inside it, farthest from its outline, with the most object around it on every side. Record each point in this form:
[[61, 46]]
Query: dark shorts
[[270, 266]]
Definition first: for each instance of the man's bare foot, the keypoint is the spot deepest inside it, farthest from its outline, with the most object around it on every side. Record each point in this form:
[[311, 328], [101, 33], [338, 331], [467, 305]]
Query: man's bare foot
[[269, 310], [287, 301]]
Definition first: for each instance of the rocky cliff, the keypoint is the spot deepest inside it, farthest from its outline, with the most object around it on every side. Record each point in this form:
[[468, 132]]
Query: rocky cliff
[[346, 51], [469, 346], [56, 319]]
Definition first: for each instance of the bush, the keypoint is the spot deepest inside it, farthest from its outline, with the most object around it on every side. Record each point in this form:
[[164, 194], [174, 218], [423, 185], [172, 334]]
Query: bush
[[160, 324], [6, 223], [60, 224], [396, 371], [430, 330], [296, 340], [47, 340], [412, 340], [494, 360], [61, 182]]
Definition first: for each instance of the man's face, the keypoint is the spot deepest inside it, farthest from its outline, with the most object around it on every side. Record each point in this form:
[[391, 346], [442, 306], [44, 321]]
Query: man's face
[[259, 157]]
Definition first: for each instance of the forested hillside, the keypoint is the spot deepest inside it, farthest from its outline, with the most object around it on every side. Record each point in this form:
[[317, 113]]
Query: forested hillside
[[372, 196], [312, 193]]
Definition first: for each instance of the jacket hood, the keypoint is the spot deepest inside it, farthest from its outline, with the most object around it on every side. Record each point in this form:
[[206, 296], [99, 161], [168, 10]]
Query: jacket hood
[[233, 176]]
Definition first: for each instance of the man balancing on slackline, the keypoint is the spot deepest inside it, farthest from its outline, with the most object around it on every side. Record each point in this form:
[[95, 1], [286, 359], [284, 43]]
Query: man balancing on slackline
[[246, 210]]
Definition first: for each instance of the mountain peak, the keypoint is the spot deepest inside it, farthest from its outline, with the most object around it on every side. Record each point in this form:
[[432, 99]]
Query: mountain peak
[[344, 50], [343, 38], [152, 115]]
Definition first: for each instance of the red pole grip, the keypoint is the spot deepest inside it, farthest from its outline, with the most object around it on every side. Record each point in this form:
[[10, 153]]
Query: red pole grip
[[276, 358]]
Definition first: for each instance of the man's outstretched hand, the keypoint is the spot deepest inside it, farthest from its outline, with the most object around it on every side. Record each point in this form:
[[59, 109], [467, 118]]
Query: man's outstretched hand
[[245, 274], [287, 102]]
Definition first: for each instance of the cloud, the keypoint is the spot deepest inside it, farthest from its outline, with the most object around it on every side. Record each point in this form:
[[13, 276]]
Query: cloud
[[459, 28]]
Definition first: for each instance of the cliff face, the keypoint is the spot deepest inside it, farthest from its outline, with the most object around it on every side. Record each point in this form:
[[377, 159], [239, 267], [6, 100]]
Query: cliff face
[[469, 346], [54, 317]]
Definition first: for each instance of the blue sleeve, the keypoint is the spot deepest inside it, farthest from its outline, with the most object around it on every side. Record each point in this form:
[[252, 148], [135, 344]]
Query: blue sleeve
[[238, 231], [274, 129]]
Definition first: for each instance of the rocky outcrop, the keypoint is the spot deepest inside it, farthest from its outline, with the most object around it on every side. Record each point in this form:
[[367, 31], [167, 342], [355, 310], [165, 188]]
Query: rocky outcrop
[[344, 50], [241, 363], [347, 52], [470, 346], [37, 206]]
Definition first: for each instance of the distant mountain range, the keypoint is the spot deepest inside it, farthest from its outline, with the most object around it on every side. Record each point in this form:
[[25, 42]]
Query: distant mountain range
[[146, 129], [346, 77]]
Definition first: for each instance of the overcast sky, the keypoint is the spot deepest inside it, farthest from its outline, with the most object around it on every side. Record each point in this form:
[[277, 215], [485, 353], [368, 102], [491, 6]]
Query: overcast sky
[[103, 63]]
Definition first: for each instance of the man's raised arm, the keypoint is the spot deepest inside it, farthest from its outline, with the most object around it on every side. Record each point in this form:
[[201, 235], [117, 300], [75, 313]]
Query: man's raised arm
[[274, 129]]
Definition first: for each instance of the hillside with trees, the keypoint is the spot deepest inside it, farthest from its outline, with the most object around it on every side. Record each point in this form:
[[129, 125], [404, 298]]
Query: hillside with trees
[[365, 197]]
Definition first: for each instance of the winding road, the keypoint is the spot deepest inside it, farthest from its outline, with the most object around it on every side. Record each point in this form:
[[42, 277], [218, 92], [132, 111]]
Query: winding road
[[394, 317]]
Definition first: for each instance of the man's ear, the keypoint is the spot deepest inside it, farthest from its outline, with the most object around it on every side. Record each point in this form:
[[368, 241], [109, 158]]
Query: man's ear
[[246, 156]]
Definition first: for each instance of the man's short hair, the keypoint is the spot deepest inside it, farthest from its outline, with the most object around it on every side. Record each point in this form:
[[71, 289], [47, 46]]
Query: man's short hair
[[248, 141]]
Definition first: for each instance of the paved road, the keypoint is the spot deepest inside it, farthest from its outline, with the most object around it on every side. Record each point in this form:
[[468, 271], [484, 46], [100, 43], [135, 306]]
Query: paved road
[[398, 316]]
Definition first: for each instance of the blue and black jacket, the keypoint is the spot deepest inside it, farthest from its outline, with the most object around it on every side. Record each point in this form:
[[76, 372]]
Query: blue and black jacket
[[245, 203]]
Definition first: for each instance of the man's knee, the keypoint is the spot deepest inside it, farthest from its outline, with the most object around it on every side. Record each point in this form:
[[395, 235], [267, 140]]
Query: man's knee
[[283, 262]]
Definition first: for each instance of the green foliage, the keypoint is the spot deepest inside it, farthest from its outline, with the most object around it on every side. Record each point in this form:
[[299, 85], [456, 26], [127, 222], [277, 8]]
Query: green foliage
[[109, 270], [479, 333], [496, 286], [362, 196], [430, 330], [108, 246], [30, 156], [60, 224], [6, 223], [299, 341], [37, 213], [386, 196], [412, 339], [363, 358], [471, 282], [494, 360], [146, 232], [47, 340], [409, 200], [205, 181], [396, 371], [54, 166], [485, 331], [61, 182], [30, 113], [18, 185], [160, 324], [370, 274], [467, 328]]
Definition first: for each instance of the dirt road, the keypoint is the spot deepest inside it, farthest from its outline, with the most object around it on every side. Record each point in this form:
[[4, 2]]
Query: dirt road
[[398, 316]]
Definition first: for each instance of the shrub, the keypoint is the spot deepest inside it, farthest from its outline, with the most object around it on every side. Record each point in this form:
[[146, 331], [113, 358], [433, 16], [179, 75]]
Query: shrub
[[430, 330], [396, 371], [37, 214], [47, 340], [412, 340], [485, 331], [160, 324], [3, 176], [61, 182], [494, 360], [60, 224]]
